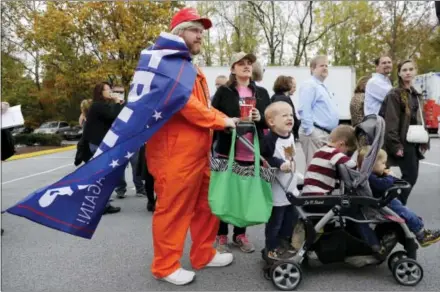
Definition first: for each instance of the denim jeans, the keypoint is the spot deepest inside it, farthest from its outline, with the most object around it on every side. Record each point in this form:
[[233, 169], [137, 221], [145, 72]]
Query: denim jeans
[[367, 234], [93, 148], [414, 222], [137, 179], [280, 225]]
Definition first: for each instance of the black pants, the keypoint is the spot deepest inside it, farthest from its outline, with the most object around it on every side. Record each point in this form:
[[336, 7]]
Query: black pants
[[409, 166], [224, 230], [149, 185]]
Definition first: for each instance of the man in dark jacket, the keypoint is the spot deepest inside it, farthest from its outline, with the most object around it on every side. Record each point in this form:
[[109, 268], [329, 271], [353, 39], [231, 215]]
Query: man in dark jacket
[[8, 148]]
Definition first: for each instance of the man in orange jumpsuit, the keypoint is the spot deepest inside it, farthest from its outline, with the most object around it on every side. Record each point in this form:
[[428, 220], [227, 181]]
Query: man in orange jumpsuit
[[178, 158]]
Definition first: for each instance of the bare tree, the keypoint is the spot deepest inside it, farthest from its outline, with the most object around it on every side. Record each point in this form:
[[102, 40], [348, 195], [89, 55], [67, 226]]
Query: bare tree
[[266, 15], [407, 26], [307, 33]]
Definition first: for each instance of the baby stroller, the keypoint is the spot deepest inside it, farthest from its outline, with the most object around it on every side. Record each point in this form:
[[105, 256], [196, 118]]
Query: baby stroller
[[329, 225]]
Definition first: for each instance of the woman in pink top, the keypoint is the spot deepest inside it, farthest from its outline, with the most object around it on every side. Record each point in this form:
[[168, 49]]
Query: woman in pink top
[[241, 98]]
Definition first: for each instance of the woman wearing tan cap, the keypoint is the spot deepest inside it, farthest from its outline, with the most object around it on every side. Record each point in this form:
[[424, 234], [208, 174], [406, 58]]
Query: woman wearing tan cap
[[240, 97]]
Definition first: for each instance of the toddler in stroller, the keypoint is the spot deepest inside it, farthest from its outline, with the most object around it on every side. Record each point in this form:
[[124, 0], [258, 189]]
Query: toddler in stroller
[[332, 216], [382, 179]]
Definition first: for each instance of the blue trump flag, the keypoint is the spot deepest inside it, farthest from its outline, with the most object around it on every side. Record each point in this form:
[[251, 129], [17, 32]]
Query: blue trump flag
[[161, 86]]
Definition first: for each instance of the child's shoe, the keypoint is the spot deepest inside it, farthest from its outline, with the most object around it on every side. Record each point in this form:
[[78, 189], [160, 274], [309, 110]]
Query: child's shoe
[[287, 246], [277, 255], [244, 244], [222, 244], [379, 252], [427, 237]]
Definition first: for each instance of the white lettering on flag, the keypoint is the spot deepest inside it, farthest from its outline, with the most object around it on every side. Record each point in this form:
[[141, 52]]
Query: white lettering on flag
[[141, 78], [98, 152], [156, 56], [110, 138], [125, 114]]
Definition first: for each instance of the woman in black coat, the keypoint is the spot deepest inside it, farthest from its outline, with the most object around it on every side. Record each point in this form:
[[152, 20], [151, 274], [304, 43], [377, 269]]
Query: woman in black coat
[[100, 117], [284, 87], [239, 90]]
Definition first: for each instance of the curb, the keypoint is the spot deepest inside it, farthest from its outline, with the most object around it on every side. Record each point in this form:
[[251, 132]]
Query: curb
[[43, 152]]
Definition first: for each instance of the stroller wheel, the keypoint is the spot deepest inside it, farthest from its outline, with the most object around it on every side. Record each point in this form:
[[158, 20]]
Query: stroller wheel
[[407, 272], [286, 275], [395, 257]]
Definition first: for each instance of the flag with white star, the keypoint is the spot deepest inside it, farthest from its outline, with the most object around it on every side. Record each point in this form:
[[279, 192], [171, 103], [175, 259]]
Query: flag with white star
[[161, 86]]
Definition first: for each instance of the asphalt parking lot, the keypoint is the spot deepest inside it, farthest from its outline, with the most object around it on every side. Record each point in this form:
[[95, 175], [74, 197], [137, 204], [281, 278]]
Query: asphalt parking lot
[[36, 258]]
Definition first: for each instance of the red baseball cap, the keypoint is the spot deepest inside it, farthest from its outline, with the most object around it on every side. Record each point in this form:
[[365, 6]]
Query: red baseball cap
[[189, 14]]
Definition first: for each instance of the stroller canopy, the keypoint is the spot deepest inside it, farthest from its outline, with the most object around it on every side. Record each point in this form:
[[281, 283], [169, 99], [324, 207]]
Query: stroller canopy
[[370, 132]]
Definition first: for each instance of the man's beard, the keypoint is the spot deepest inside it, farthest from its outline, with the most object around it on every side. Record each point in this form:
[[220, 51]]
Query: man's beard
[[193, 50]]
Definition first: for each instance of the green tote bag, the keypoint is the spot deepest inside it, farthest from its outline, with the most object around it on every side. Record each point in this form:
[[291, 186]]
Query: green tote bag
[[241, 195]]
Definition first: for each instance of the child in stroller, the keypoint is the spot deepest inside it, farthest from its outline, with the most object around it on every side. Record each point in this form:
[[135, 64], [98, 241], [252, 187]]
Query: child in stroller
[[380, 180], [331, 215]]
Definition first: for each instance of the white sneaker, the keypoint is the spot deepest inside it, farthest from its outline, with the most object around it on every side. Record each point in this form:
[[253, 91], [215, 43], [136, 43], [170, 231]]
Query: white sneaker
[[221, 260], [179, 277]]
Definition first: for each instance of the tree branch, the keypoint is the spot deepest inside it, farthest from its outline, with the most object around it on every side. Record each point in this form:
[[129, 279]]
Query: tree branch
[[326, 30]]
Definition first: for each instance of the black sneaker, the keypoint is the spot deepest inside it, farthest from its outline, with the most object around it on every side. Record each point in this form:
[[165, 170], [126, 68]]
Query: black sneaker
[[151, 206], [141, 194], [428, 237], [380, 252], [120, 195], [111, 209]]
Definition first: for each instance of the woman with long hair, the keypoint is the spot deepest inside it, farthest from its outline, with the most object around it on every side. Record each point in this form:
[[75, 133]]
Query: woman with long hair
[[401, 108], [357, 101], [104, 110], [239, 91], [85, 106]]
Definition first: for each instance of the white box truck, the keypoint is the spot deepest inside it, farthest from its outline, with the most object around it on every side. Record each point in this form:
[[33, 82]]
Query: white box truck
[[341, 82], [429, 86]]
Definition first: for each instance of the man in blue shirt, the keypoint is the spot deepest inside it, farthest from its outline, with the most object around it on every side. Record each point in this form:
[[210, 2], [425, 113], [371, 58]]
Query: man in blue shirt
[[378, 86], [317, 109]]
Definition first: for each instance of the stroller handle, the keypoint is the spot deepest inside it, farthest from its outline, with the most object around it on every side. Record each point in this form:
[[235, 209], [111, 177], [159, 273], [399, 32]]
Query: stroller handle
[[395, 191]]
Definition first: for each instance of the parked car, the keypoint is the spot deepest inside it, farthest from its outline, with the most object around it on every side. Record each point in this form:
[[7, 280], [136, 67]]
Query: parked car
[[54, 127], [22, 130], [73, 133]]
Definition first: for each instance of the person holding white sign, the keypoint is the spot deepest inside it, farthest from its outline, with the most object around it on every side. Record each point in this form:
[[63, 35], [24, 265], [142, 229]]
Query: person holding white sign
[[8, 148]]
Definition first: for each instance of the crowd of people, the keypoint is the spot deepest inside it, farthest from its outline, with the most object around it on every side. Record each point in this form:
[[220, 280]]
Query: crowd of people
[[176, 182]]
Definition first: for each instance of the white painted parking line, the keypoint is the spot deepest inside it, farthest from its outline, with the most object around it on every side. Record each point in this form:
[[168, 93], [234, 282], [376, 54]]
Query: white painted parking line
[[51, 157], [37, 174], [430, 163]]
